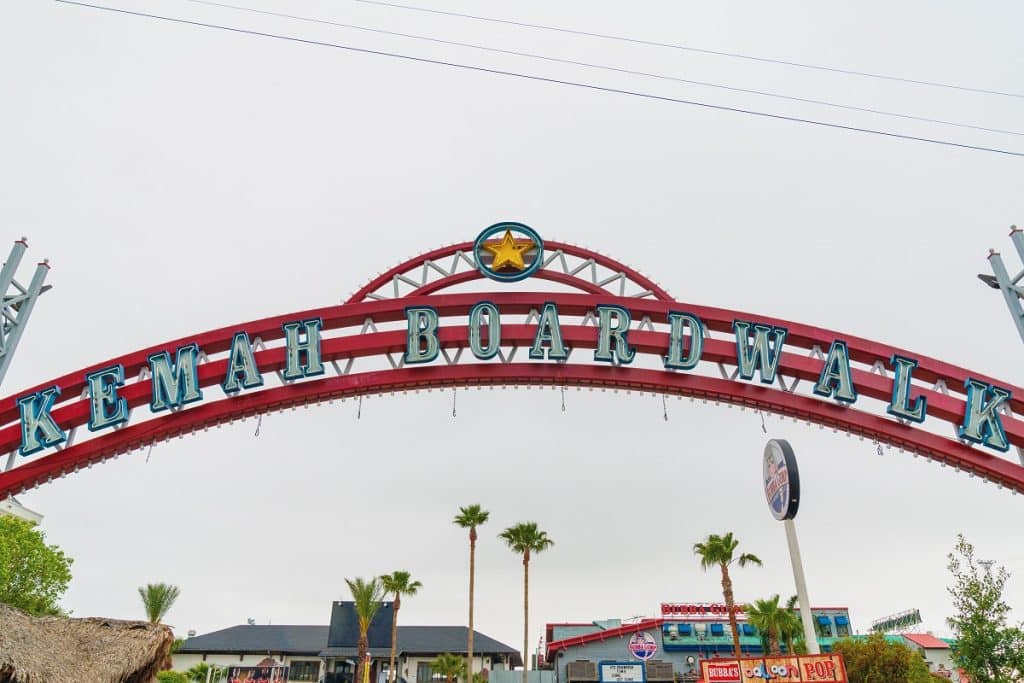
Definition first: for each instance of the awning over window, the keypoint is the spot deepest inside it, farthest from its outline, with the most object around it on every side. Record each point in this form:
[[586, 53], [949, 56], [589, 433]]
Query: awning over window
[[684, 629], [666, 629], [717, 630], [748, 630], [842, 621], [824, 621]]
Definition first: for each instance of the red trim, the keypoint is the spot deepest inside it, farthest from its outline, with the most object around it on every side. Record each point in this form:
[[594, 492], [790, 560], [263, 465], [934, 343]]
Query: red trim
[[444, 252], [603, 635]]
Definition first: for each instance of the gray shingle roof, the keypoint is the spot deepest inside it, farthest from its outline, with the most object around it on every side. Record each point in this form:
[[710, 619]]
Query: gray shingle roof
[[312, 640], [260, 639]]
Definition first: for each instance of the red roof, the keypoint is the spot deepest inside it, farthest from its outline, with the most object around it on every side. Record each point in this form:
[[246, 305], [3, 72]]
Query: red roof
[[926, 640]]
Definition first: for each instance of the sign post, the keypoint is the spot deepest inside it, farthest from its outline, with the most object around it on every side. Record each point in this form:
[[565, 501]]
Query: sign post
[[782, 489]]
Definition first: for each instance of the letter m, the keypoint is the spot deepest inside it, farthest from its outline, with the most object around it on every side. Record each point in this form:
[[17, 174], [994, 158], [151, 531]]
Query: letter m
[[175, 384], [759, 351]]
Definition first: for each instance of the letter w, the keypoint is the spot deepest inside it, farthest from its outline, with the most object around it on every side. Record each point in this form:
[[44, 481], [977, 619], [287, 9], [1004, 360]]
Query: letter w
[[760, 354]]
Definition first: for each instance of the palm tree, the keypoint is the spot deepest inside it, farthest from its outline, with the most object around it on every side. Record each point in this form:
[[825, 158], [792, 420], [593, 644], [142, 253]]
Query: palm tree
[[792, 631], [526, 538], [400, 583], [367, 598], [718, 551], [770, 620], [470, 517], [204, 672], [448, 665], [157, 600]]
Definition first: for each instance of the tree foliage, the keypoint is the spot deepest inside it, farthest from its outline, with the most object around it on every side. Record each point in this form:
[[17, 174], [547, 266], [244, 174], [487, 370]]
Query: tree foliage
[[157, 600], [171, 677], [398, 583], [33, 575], [204, 671], [988, 649], [876, 660], [448, 665], [720, 551], [769, 619]]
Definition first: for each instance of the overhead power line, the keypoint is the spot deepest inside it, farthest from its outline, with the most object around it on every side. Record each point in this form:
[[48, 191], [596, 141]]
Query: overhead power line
[[604, 67], [543, 79], [688, 48]]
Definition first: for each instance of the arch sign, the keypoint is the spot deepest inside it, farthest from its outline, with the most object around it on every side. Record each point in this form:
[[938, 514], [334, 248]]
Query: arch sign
[[547, 314]]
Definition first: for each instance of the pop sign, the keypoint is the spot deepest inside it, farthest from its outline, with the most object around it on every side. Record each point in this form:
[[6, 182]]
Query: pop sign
[[781, 479], [798, 669], [642, 645]]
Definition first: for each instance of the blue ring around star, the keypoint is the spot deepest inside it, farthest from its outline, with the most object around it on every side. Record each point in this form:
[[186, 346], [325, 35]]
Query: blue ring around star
[[515, 227]]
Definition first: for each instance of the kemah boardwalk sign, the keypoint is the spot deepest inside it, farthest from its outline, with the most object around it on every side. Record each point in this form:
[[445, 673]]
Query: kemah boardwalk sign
[[587, 321]]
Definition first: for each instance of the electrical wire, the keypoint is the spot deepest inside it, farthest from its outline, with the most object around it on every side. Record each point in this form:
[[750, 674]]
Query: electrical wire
[[688, 48], [632, 72], [544, 79]]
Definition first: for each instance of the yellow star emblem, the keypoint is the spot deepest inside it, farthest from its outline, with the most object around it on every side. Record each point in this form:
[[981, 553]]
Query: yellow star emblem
[[508, 252]]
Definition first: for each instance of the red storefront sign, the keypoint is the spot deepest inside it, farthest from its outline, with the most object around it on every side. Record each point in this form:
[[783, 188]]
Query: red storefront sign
[[797, 669], [697, 609], [720, 672]]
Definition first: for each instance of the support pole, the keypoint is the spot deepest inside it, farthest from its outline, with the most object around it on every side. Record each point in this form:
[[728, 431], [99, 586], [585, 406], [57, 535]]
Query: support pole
[[801, 588], [1007, 284]]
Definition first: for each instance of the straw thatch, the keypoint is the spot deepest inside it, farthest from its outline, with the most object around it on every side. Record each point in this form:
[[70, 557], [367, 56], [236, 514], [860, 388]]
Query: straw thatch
[[97, 650]]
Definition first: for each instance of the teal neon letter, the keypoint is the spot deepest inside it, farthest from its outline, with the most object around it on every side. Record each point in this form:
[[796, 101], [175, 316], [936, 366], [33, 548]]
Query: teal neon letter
[[981, 421], [35, 418], [835, 379], [899, 406], [678, 322], [493, 330], [103, 396], [241, 361], [421, 345], [549, 331], [606, 332], [293, 369], [760, 355], [177, 384]]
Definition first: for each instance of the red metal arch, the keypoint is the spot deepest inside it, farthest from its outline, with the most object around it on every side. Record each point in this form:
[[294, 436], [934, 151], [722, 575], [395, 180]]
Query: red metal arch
[[413, 264], [71, 412]]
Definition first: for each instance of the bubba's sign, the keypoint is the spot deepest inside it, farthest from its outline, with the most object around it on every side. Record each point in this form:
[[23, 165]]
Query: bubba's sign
[[714, 610], [796, 669]]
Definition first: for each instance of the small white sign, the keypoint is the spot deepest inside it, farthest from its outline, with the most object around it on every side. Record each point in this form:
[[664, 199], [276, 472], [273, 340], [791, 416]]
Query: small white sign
[[621, 673]]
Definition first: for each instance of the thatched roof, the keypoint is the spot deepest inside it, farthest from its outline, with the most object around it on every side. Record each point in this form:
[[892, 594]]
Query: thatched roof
[[60, 650]]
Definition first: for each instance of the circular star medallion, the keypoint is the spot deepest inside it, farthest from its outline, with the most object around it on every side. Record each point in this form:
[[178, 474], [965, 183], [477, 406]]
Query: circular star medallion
[[508, 252]]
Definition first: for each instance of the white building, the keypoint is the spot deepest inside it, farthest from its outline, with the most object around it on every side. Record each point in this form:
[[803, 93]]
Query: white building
[[328, 652]]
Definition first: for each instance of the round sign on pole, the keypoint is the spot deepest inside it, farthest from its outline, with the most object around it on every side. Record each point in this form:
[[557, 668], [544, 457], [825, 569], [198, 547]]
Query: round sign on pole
[[781, 479], [642, 645]]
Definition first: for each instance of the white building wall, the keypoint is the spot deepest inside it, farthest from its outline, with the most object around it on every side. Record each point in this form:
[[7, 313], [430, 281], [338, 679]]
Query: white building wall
[[185, 661]]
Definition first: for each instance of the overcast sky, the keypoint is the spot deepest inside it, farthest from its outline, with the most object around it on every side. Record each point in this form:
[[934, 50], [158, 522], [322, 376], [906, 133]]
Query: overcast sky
[[182, 179]]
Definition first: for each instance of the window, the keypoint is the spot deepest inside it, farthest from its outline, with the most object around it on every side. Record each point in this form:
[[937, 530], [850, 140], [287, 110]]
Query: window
[[424, 674], [304, 671]]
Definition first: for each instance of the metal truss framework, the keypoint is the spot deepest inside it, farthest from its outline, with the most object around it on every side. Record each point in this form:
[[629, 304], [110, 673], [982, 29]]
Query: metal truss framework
[[364, 341]]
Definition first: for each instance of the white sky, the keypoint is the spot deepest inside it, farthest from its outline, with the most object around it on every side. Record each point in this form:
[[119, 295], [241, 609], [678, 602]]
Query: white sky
[[182, 179]]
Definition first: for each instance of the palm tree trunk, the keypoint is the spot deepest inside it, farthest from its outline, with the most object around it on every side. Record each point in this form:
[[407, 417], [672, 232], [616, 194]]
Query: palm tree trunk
[[472, 570], [730, 604], [364, 644], [526, 611], [394, 638]]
